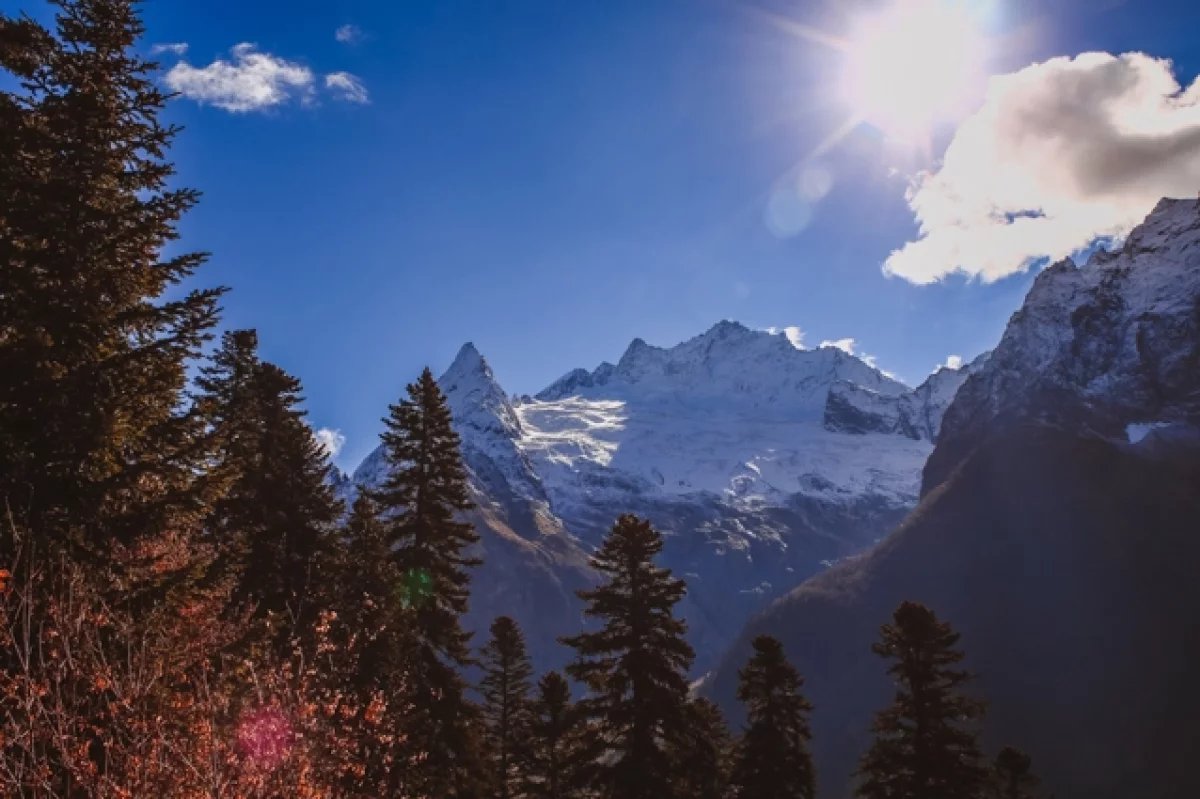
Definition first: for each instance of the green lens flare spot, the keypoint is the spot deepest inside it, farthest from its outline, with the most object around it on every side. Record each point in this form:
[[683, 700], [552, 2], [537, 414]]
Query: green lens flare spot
[[416, 588]]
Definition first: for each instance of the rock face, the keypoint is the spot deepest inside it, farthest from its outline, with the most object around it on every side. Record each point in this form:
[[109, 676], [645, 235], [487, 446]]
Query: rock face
[[1096, 348], [731, 443], [1057, 532], [917, 414]]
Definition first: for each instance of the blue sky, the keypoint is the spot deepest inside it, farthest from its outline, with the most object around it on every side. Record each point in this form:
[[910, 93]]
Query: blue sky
[[551, 179]]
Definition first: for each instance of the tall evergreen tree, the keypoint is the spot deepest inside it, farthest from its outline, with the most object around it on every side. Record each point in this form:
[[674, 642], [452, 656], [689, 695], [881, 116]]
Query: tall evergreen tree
[[1012, 776], [556, 742], [772, 759], [923, 747], [420, 501], [507, 674], [97, 447], [277, 520], [635, 667], [703, 757]]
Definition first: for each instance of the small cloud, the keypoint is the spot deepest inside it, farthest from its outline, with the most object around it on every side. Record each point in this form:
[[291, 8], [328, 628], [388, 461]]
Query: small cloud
[[741, 290], [954, 362], [252, 81], [175, 48], [348, 34], [331, 441], [795, 335], [347, 87], [850, 347], [846, 345]]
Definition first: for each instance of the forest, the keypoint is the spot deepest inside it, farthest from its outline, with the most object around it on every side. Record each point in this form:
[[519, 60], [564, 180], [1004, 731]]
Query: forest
[[188, 609]]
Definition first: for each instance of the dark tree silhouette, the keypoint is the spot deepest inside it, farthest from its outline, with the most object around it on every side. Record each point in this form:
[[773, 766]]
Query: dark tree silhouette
[[556, 742], [702, 761], [276, 522], [420, 502], [923, 747], [1012, 776], [635, 667], [507, 674], [772, 758]]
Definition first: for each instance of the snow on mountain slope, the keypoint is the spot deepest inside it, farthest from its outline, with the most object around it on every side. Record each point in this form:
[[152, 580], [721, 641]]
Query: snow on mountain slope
[[1095, 348], [725, 442]]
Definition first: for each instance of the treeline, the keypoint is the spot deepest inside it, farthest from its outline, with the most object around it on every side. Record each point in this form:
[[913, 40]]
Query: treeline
[[188, 610]]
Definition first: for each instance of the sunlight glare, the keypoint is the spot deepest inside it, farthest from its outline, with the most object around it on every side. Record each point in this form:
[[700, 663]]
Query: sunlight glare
[[913, 65]]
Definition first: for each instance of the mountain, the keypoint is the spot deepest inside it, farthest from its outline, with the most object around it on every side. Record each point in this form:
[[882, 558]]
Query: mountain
[[1098, 349], [761, 462], [1057, 532]]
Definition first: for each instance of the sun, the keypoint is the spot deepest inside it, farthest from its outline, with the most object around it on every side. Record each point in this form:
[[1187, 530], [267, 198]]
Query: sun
[[912, 66]]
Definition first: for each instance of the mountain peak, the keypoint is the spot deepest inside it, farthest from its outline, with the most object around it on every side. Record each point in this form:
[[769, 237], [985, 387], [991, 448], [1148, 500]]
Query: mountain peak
[[475, 397], [468, 361], [726, 327]]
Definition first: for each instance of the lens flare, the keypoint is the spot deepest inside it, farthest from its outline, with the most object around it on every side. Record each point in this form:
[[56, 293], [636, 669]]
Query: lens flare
[[914, 65], [265, 736], [417, 587]]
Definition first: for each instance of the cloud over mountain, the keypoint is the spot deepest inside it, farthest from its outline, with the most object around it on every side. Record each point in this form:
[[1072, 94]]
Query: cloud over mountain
[[1062, 153]]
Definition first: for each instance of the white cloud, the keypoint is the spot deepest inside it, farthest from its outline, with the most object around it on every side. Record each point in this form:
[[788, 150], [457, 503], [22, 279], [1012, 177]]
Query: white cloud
[[331, 441], [347, 87], [846, 345], [850, 347], [794, 334], [348, 34], [1061, 154], [252, 81], [953, 362], [175, 48]]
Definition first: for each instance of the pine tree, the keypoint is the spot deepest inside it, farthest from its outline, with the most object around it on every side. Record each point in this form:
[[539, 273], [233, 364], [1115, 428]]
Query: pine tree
[[505, 687], [556, 742], [277, 520], [635, 667], [1012, 776], [424, 492], [772, 758], [369, 599], [97, 448], [703, 757], [370, 637], [923, 748]]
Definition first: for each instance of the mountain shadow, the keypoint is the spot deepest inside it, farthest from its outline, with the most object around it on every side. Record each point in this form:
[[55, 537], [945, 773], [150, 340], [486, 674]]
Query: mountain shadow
[[1070, 567]]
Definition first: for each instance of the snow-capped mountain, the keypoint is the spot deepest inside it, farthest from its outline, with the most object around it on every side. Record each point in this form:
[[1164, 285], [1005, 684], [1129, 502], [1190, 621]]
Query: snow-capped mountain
[[1101, 349], [917, 414], [1056, 532], [760, 461]]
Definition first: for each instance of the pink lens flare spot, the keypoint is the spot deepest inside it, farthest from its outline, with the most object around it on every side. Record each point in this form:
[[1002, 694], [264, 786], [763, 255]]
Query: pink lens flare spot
[[265, 736]]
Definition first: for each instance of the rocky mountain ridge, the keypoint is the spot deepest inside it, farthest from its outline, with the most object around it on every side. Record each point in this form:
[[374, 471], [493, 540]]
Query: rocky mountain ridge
[[761, 462], [1096, 348]]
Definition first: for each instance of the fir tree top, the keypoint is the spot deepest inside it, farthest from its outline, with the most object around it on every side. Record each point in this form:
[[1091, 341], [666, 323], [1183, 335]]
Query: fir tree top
[[922, 748], [635, 666], [773, 760], [421, 501], [96, 445]]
